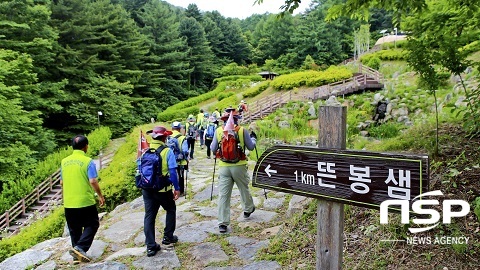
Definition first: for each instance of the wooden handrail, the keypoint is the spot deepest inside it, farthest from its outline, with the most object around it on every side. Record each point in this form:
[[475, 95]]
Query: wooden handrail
[[32, 198]]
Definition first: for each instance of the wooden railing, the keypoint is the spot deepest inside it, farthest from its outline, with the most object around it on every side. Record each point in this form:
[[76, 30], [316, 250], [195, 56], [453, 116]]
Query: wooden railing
[[268, 104], [371, 72], [20, 208]]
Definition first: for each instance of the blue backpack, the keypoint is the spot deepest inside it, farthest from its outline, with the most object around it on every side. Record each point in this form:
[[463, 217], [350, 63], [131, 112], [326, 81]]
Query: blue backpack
[[210, 131], [150, 171], [174, 144]]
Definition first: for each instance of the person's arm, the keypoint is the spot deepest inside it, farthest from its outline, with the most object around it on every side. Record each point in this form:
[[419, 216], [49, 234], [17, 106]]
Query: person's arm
[[250, 141], [92, 176], [172, 170]]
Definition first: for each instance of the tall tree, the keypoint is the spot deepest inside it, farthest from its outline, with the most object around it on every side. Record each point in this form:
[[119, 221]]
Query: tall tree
[[167, 55], [24, 141], [98, 40], [25, 28], [273, 36], [231, 45], [200, 55]]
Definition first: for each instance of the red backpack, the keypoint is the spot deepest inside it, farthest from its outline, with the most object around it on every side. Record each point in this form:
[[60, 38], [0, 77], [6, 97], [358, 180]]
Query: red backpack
[[229, 149]]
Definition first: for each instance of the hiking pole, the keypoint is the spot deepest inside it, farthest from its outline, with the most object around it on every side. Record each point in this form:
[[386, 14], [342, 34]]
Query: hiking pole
[[185, 173], [213, 177], [264, 191]]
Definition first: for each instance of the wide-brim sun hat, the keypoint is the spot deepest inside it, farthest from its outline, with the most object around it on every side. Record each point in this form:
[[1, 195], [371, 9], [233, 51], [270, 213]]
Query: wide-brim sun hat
[[159, 131], [235, 114]]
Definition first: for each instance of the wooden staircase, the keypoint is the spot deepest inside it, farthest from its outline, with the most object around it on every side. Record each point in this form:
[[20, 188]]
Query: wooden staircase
[[367, 79], [46, 196]]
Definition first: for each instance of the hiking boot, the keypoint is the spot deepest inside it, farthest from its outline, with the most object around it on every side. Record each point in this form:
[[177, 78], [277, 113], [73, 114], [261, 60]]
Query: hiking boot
[[247, 214], [168, 240], [222, 228], [151, 252], [79, 255]]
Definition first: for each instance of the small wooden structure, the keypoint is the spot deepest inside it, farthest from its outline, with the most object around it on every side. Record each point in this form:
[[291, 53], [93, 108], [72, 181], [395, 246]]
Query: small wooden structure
[[268, 75]]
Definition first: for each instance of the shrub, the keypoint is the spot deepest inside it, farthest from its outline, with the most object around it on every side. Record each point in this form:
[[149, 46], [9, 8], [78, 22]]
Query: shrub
[[14, 191], [257, 89], [374, 63], [49, 227], [224, 95], [384, 131], [182, 109], [310, 78], [384, 55], [253, 78]]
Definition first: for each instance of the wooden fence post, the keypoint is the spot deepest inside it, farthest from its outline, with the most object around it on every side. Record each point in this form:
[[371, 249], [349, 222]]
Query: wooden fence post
[[23, 206], [7, 218], [330, 215]]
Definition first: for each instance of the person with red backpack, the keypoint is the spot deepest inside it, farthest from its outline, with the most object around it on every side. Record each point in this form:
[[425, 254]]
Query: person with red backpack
[[229, 143]]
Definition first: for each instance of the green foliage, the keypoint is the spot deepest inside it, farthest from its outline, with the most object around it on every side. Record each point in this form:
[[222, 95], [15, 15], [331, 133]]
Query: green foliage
[[384, 131], [182, 109], [97, 140], [311, 78], [43, 229], [231, 101], [384, 55], [253, 78], [394, 45], [471, 47], [117, 180], [15, 190], [225, 95], [374, 63], [476, 207], [256, 89], [233, 69]]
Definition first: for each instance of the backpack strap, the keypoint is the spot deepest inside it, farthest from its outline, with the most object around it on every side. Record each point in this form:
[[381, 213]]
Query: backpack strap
[[159, 153]]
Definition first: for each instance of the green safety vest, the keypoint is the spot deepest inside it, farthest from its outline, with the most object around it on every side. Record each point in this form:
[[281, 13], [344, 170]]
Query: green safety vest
[[77, 191]]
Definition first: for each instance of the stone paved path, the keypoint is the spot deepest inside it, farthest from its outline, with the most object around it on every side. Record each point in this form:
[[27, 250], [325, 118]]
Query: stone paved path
[[119, 243]]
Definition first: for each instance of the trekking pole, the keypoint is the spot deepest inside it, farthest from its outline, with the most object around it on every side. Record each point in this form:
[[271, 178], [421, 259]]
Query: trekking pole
[[213, 177], [185, 172], [264, 191]]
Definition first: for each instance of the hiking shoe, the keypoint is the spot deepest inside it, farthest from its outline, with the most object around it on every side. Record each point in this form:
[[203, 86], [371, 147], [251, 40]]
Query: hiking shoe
[[79, 255], [208, 157], [151, 252], [222, 228], [168, 240], [247, 214]]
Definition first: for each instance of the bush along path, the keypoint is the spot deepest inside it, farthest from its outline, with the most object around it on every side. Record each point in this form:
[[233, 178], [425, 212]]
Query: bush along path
[[119, 243]]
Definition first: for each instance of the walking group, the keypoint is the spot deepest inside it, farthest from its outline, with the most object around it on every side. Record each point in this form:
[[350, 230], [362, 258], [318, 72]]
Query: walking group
[[162, 174]]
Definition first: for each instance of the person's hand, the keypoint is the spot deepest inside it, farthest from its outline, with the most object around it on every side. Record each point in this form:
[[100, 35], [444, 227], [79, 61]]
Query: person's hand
[[101, 200], [176, 194], [253, 135]]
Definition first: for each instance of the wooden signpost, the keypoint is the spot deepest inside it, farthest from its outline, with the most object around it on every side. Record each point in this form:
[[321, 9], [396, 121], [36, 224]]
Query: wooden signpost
[[336, 176]]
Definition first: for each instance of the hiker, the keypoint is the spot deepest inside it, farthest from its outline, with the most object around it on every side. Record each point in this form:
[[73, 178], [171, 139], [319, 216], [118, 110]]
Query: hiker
[[209, 133], [165, 197], [191, 134], [182, 162], [79, 187], [216, 116], [242, 107], [200, 123], [230, 173]]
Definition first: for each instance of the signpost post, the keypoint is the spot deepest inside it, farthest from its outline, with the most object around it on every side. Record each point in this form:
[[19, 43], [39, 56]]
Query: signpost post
[[336, 176]]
